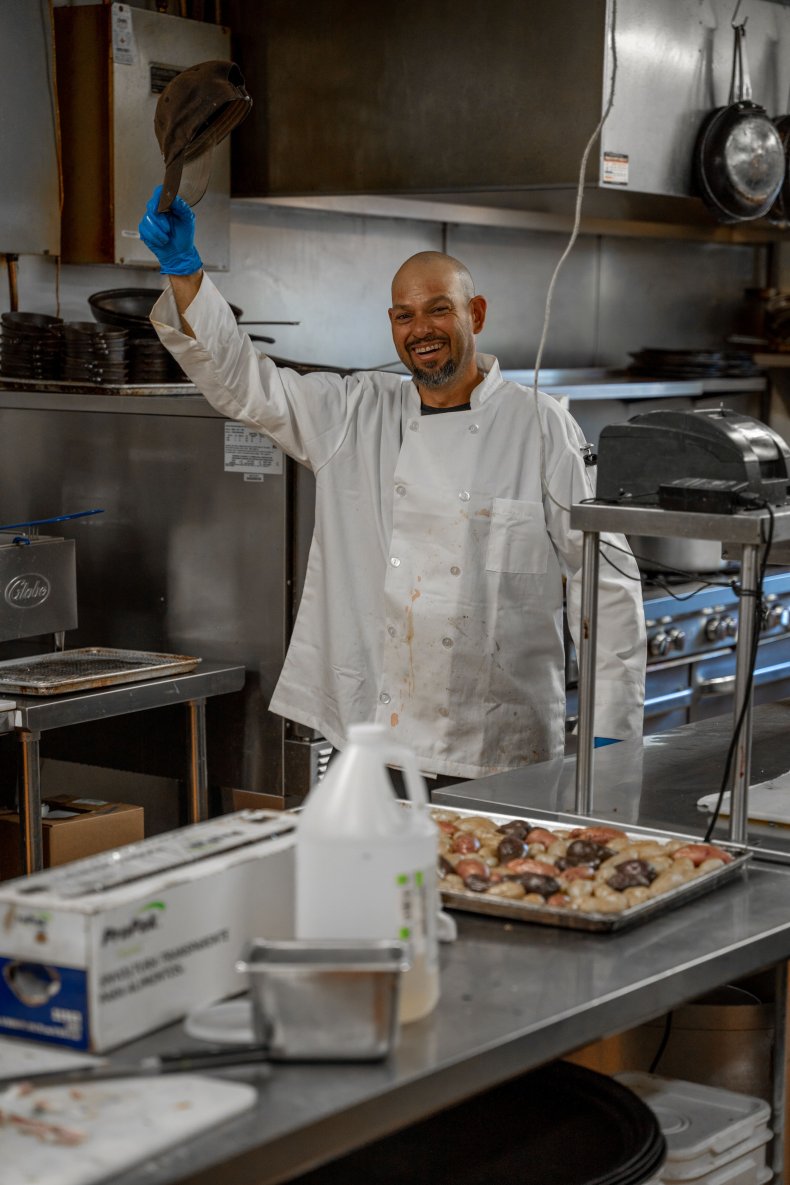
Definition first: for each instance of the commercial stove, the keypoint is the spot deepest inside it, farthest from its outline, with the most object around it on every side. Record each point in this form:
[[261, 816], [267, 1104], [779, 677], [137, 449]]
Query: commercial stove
[[692, 629]]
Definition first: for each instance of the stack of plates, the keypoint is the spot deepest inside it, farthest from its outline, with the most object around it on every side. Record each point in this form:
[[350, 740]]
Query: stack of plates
[[150, 362], [30, 346], [94, 354], [693, 364]]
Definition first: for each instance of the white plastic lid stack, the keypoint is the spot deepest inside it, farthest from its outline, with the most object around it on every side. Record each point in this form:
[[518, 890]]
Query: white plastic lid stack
[[714, 1136]]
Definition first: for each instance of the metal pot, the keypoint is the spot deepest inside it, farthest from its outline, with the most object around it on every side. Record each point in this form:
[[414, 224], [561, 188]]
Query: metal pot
[[676, 556], [739, 159]]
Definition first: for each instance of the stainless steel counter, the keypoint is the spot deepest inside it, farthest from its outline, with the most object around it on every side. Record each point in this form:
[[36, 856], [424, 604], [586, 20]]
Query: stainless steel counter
[[513, 996]]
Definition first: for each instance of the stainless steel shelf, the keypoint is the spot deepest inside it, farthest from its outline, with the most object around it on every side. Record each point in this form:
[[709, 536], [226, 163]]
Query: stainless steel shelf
[[750, 527]]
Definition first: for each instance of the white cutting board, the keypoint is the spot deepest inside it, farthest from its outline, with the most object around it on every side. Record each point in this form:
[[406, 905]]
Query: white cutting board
[[769, 801], [123, 1121]]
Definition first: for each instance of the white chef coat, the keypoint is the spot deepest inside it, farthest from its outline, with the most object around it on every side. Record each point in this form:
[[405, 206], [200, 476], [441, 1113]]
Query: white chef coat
[[433, 595]]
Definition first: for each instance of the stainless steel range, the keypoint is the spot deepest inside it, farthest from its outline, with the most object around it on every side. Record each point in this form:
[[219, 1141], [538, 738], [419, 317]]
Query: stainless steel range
[[691, 635]]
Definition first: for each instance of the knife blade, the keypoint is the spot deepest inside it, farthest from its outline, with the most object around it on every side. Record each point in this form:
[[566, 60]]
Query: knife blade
[[179, 1062]]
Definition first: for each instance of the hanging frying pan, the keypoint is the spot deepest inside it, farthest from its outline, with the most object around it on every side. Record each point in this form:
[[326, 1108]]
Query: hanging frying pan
[[739, 160], [780, 210]]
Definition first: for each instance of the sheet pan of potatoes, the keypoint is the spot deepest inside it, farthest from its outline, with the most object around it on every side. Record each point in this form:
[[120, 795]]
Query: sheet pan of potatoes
[[594, 877]]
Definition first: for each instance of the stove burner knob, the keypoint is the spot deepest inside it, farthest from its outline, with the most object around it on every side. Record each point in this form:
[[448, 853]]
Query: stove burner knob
[[730, 627], [658, 645], [776, 615], [715, 629], [677, 639]]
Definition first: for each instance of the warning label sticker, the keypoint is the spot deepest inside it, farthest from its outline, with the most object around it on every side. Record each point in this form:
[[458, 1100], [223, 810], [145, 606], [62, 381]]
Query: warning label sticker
[[251, 452], [615, 168]]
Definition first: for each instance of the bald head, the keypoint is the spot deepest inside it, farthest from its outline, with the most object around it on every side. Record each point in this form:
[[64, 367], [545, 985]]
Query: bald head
[[435, 316], [442, 269]]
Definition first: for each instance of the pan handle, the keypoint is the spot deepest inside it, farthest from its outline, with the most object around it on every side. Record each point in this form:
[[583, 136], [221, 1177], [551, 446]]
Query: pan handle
[[740, 67]]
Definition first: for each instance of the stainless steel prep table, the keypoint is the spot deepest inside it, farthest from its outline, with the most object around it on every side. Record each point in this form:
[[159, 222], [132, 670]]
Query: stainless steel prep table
[[513, 997], [31, 715]]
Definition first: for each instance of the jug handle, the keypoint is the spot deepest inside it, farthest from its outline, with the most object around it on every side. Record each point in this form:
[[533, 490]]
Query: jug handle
[[413, 779]]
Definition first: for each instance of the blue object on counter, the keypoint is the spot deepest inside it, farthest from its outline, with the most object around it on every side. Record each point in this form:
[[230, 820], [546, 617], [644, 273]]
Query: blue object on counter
[[599, 742], [40, 522]]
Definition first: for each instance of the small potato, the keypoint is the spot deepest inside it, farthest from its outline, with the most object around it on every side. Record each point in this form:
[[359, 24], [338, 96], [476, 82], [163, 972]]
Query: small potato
[[661, 863], [637, 894], [474, 823], [605, 870], [614, 904], [710, 865], [684, 864], [556, 849], [558, 900], [510, 890], [452, 881], [576, 890], [441, 816], [533, 899], [668, 880], [647, 848]]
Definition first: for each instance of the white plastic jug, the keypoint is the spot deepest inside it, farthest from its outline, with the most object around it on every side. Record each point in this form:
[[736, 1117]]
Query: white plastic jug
[[366, 865]]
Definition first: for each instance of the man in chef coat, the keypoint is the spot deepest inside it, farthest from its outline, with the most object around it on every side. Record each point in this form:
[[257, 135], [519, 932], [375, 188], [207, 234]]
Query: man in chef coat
[[433, 597]]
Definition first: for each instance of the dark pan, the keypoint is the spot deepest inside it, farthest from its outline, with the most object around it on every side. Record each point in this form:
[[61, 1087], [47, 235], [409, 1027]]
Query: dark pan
[[129, 308], [739, 161], [780, 210]]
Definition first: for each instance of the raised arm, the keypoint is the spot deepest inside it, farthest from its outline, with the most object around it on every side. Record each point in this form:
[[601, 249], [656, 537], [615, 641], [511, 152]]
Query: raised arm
[[171, 238]]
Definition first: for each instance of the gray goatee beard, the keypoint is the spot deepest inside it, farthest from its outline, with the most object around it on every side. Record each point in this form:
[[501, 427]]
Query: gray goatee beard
[[435, 378]]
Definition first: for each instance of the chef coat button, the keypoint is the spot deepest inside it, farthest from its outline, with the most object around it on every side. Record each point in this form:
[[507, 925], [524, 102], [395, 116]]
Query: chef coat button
[[464, 495], [414, 426], [400, 491], [447, 643], [394, 561], [455, 570], [474, 428], [444, 711], [384, 698], [391, 631]]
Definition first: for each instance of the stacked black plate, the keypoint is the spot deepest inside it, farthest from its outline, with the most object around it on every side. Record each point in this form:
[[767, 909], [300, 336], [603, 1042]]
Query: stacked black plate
[[94, 354], [150, 362], [30, 346], [692, 364]]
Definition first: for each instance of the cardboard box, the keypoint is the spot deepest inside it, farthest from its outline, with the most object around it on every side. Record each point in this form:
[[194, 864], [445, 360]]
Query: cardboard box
[[100, 951], [73, 828]]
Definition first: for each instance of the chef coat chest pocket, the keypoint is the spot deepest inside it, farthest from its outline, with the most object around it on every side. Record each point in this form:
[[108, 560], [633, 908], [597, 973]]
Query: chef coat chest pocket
[[518, 540]]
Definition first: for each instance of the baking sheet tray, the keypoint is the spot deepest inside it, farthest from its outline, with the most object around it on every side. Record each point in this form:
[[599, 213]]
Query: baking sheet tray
[[552, 915], [88, 667]]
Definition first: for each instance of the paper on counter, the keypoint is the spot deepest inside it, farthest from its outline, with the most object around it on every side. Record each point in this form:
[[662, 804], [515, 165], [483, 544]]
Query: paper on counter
[[769, 801], [18, 1059]]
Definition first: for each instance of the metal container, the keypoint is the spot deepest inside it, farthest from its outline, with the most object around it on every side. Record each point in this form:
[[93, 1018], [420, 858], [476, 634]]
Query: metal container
[[325, 1001], [676, 555]]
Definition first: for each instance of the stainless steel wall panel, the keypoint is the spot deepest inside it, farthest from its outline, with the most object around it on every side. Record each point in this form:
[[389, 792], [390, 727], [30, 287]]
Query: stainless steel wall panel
[[29, 199], [687, 298]]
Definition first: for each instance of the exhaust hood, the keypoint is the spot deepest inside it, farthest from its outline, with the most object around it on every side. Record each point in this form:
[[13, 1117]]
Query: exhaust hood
[[493, 104]]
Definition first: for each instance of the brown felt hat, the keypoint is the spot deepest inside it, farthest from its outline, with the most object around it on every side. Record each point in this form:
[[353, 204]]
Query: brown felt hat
[[196, 110]]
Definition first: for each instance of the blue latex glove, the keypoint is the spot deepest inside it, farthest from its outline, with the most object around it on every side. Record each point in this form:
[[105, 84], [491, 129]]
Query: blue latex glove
[[171, 236], [599, 742]]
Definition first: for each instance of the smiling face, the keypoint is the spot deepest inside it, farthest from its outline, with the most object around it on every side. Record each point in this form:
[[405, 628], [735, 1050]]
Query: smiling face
[[435, 317]]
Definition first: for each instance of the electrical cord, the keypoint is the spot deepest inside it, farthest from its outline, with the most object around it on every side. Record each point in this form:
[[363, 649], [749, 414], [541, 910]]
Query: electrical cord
[[552, 282], [757, 596], [662, 1045]]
